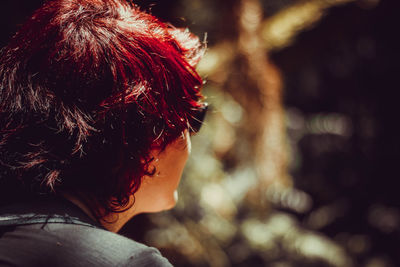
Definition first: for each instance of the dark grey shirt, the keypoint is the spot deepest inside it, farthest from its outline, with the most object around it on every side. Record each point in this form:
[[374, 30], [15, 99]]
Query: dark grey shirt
[[57, 233]]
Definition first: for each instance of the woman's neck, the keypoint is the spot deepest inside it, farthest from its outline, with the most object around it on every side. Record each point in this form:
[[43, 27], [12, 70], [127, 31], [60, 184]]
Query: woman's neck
[[112, 222]]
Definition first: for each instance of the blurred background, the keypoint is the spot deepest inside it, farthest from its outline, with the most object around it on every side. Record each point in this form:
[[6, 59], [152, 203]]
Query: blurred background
[[296, 164]]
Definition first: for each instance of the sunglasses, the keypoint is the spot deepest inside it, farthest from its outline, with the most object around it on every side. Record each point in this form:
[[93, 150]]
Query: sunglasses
[[197, 118]]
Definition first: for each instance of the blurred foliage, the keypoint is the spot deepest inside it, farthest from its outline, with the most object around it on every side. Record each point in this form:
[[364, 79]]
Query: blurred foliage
[[296, 163]]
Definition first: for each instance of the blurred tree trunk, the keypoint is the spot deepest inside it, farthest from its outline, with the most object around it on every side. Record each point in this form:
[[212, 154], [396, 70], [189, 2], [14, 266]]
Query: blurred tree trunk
[[256, 84]]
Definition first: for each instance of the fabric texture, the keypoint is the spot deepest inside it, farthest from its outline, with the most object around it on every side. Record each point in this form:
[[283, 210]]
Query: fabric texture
[[57, 233]]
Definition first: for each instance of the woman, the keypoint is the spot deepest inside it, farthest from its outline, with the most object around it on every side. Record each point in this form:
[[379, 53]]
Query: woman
[[97, 104]]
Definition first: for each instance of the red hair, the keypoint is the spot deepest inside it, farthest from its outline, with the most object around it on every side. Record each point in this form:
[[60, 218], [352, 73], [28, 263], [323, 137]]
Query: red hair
[[88, 87]]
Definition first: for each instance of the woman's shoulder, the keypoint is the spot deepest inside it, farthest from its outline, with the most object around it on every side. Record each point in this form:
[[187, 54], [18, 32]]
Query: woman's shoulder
[[56, 244], [108, 247]]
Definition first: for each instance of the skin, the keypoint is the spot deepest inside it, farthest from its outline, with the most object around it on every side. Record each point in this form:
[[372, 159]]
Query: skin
[[157, 192]]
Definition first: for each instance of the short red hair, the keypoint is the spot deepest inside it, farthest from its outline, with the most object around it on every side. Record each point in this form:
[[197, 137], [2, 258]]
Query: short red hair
[[88, 87]]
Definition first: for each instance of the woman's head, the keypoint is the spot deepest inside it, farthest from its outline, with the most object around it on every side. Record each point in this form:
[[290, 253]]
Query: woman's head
[[89, 88]]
